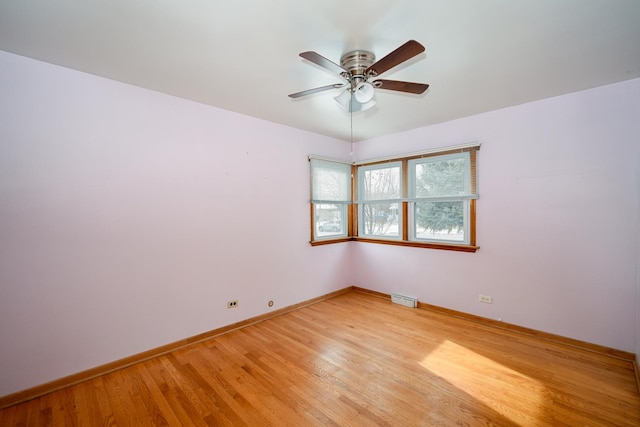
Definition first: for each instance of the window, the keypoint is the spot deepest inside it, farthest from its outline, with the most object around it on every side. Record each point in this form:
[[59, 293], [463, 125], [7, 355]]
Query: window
[[426, 199], [330, 198], [380, 190], [439, 194]]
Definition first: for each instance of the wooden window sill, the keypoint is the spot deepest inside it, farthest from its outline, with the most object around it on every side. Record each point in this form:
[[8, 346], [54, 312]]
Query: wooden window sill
[[430, 245]]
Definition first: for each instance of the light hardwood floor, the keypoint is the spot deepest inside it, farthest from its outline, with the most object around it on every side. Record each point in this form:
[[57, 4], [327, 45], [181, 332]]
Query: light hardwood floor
[[357, 360]]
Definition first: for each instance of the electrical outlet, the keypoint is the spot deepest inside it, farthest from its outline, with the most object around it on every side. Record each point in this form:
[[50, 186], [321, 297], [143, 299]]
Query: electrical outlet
[[232, 303], [485, 299]]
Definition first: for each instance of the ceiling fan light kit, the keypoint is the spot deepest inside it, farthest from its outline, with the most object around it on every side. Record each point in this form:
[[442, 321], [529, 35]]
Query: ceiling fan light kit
[[351, 104], [359, 69], [364, 92]]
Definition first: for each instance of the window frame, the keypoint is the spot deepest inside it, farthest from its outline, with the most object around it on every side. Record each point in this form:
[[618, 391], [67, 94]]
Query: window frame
[[361, 204], [343, 204], [406, 218], [462, 197]]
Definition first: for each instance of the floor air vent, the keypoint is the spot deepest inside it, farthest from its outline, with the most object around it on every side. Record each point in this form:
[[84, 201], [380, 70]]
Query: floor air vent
[[404, 300]]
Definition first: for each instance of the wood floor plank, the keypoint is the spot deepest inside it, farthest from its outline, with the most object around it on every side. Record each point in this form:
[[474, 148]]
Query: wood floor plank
[[46, 411], [102, 401], [261, 397], [21, 416], [184, 390], [355, 359], [86, 403], [63, 408], [303, 385], [7, 416], [124, 409], [173, 394]]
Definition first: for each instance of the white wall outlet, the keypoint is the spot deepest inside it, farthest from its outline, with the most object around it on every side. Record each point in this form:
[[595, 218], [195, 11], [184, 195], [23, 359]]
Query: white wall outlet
[[232, 303], [485, 299]]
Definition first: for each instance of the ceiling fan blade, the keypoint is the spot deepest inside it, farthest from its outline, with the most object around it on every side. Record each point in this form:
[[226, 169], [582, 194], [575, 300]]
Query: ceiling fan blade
[[399, 86], [398, 56], [316, 90], [320, 60]]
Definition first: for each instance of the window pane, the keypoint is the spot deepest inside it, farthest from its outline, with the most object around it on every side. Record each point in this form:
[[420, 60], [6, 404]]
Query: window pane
[[330, 220], [380, 219], [439, 220], [378, 183], [446, 177]]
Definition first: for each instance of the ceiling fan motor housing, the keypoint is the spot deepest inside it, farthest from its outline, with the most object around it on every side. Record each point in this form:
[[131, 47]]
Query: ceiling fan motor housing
[[356, 62]]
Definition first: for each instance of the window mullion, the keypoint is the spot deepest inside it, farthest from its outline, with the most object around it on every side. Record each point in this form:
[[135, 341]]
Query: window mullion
[[472, 222], [313, 222], [405, 204], [353, 209]]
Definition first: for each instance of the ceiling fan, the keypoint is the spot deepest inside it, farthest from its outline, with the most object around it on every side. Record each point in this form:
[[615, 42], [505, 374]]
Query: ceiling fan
[[360, 70]]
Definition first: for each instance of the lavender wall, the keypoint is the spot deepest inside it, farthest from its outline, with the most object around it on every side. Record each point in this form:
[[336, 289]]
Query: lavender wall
[[638, 266], [558, 218], [129, 218]]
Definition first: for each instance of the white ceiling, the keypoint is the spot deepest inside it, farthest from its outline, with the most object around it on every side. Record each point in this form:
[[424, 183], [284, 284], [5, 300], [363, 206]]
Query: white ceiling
[[242, 55]]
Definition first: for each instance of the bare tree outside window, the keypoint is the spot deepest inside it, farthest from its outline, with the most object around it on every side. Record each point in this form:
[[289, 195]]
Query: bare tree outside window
[[381, 218]]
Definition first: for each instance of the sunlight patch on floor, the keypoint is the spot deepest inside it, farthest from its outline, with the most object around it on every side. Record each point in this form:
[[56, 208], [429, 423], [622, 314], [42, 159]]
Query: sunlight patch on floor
[[488, 382]]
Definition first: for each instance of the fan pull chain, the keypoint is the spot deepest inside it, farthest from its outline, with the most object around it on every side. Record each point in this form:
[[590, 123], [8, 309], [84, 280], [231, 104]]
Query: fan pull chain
[[351, 122]]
